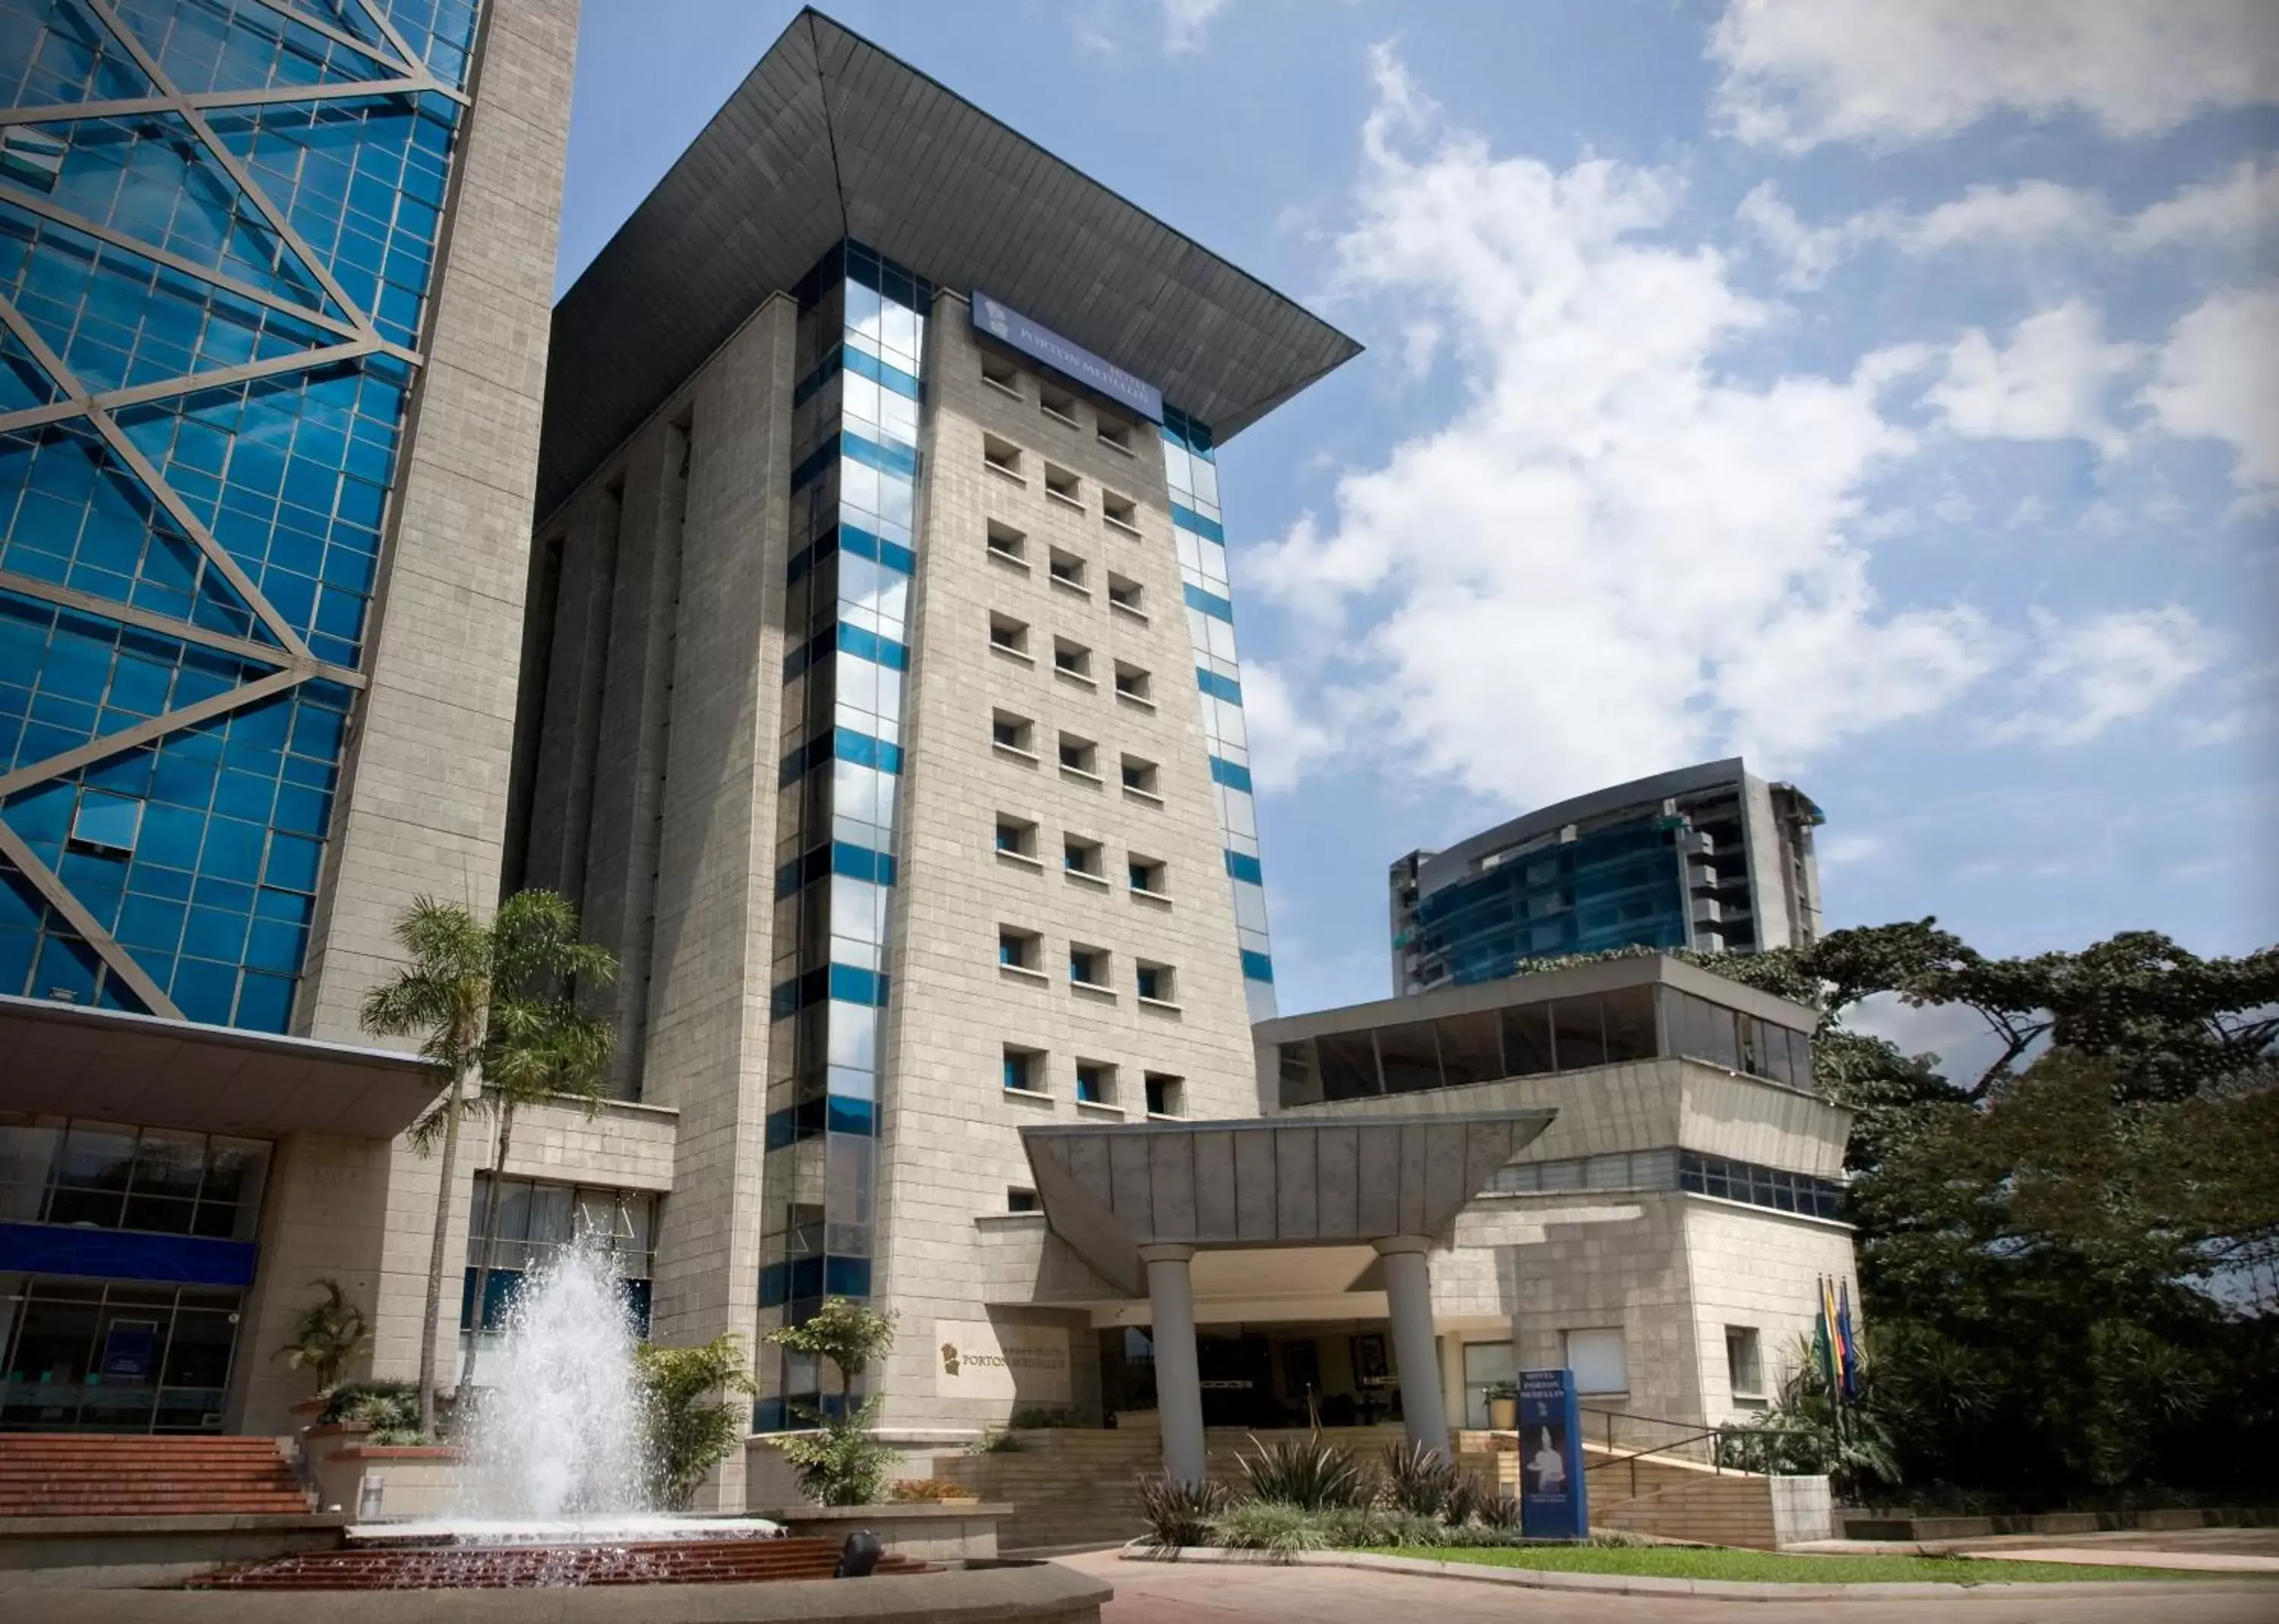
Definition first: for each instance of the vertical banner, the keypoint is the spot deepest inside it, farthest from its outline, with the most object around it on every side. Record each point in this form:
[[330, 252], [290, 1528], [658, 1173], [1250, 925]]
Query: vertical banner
[[1553, 1498]]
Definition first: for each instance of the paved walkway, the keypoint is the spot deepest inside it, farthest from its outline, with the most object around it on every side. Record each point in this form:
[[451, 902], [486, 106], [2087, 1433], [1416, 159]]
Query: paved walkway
[[1180, 1593], [2207, 1550]]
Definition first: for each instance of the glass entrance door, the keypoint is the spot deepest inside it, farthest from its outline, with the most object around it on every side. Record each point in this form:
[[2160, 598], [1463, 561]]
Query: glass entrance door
[[114, 1356]]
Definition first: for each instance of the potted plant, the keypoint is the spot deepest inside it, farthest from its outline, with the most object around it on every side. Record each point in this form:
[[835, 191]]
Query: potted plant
[[1503, 1406], [326, 1339]]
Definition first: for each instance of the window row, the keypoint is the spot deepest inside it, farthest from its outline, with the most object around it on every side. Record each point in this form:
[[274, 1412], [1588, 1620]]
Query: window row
[[1079, 757], [1063, 487], [1061, 405], [1097, 1083], [1070, 659], [106, 1175], [1082, 857], [1070, 572], [1090, 969]]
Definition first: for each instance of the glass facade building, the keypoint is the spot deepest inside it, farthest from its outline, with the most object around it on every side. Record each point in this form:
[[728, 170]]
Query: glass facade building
[[213, 308]]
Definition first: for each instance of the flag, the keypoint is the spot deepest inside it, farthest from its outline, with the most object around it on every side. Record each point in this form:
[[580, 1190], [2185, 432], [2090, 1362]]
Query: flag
[[1850, 1370], [1823, 1343]]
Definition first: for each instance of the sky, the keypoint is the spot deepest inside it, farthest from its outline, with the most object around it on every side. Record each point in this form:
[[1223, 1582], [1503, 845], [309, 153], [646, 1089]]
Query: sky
[[1885, 391]]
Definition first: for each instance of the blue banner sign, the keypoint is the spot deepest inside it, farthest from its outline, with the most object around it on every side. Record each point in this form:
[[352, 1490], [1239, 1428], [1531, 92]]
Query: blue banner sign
[[1553, 1498], [1016, 331]]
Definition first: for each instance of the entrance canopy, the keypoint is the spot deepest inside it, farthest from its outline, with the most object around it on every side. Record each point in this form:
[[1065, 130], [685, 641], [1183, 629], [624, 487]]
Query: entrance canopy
[[67, 1060], [1108, 1191]]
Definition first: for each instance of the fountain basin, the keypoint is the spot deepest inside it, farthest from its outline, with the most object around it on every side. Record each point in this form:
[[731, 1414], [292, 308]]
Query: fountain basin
[[393, 1565], [633, 1528]]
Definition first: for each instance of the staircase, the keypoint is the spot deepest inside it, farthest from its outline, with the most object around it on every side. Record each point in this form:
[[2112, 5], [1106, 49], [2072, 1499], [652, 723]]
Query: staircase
[[92, 1474]]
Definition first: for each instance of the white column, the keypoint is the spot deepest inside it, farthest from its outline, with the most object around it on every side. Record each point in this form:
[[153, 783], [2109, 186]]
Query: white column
[[1179, 1379], [1409, 1297]]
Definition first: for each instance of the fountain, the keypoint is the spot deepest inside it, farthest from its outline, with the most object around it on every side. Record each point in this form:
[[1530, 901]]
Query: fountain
[[555, 1484]]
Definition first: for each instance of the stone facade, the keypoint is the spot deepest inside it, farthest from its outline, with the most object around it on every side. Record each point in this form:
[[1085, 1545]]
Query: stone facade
[[423, 799]]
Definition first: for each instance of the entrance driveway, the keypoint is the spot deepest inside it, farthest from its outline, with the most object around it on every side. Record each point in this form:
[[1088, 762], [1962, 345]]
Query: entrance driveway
[[1182, 1593]]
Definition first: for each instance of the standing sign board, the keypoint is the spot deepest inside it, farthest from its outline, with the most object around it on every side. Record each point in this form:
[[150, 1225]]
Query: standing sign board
[[1554, 1500]]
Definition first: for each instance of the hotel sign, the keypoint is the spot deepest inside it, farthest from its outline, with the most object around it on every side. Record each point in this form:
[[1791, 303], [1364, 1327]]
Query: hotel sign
[[1016, 331], [977, 1360]]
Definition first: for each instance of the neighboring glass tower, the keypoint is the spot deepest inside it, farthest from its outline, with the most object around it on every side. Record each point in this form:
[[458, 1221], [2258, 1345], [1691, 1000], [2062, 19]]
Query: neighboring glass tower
[[1707, 857], [213, 297]]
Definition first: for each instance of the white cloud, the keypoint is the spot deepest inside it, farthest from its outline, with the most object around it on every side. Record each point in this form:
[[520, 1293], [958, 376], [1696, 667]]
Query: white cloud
[[1286, 742], [2219, 379], [1798, 72], [1611, 558], [2229, 212], [2111, 669], [1847, 850], [1186, 24], [2049, 382]]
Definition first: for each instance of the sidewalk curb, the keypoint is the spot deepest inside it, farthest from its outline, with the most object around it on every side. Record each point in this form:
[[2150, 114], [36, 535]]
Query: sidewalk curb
[[1725, 1589]]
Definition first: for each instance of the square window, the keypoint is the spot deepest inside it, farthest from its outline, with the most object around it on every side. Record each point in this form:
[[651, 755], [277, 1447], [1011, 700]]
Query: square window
[[1020, 1200], [106, 821], [1021, 1069], [1000, 373], [1155, 983], [1597, 1359], [1015, 837], [1087, 967], [1057, 403], [1017, 949], [1120, 511], [1062, 486], [1001, 456], [1007, 544], [1124, 593], [1745, 1365], [1079, 856], [1008, 732], [1167, 1095], [1139, 776], [1072, 659], [1146, 875], [1132, 683], [1095, 1083], [1079, 756], [1114, 432], [1067, 569], [1008, 635]]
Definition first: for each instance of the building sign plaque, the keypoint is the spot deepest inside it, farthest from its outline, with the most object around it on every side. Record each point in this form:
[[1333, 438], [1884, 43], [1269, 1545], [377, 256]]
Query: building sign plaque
[[977, 1360], [1016, 331], [1553, 1498]]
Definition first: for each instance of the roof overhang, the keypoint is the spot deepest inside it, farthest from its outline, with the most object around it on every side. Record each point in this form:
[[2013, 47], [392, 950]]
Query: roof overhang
[[1108, 1191], [65, 1059], [831, 137]]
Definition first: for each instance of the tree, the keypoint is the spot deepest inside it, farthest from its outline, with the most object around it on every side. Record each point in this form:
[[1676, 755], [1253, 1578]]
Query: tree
[[841, 1463], [2062, 1253], [540, 1043], [691, 1430], [444, 994], [328, 1337]]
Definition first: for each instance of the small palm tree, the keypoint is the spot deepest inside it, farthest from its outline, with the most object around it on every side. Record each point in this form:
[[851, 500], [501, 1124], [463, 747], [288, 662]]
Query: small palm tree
[[496, 1000], [328, 1337]]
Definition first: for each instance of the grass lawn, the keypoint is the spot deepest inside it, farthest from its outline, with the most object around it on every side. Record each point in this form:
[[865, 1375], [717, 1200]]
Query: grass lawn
[[1769, 1568]]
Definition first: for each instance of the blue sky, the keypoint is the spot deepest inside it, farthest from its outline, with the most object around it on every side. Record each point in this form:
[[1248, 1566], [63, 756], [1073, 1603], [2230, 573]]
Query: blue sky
[[1887, 392]]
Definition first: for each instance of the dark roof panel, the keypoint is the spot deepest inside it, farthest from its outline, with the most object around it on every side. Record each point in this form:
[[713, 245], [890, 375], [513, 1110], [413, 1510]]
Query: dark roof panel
[[829, 135]]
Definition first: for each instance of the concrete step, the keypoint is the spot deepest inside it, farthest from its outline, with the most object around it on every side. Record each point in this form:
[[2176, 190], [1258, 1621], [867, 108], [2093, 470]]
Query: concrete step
[[72, 1475]]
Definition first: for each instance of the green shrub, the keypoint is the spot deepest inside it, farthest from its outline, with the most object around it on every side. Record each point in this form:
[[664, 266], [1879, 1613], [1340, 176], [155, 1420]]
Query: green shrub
[[1036, 1419], [1306, 1473], [996, 1441], [691, 1429], [384, 1407], [1266, 1525], [1500, 1511], [1421, 1480], [1178, 1513], [841, 1462]]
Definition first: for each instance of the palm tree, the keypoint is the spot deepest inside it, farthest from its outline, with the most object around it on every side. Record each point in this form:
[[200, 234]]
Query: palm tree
[[497, 1000]]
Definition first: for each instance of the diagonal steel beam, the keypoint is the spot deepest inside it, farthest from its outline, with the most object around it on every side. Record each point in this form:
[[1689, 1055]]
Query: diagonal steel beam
[[187, 267], [151, 728], [208, 101], [378, 18], [176, 507], [194, 383], [228, 160], [74, 912], [149, 620], [363, 48]]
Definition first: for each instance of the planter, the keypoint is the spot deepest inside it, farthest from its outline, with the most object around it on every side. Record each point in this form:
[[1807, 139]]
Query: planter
[[307, 1410], [1503, 1414], [933, 1531]]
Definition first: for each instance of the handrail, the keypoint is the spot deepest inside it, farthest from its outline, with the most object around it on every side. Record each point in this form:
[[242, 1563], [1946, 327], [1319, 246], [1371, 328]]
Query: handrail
[[1713, 1435]]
